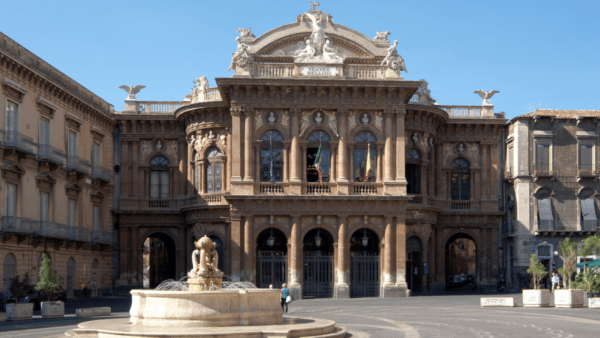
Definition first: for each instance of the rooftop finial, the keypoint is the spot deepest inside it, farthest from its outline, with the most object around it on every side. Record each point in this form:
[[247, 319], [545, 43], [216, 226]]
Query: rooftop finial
[[314, 7]]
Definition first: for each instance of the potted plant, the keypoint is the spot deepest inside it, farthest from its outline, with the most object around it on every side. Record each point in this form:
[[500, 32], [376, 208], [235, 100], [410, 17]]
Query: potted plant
[[19, 288], [536, 297], [568, 297], [48, 286], [588, 280]]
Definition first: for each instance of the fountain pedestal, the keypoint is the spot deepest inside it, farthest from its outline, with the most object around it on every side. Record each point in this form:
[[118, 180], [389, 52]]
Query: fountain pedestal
[[205, 284]]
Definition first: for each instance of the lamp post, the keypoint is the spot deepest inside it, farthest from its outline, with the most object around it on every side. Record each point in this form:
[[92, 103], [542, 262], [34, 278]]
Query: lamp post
[[318, 239], [271, 239]]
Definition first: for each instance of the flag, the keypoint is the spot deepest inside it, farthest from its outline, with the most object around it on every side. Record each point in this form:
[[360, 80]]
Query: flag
[[271, 170], [368, 167], [318, 163]]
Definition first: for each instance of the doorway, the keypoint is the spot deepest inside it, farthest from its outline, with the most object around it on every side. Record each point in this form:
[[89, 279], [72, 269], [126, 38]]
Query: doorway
[[318, 264], [271, 259], [414, 277], [159, 260]]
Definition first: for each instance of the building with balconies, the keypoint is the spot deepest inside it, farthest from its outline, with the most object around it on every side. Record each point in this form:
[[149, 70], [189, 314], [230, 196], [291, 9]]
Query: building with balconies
[[56, 142], [551, 186], [316, 164]]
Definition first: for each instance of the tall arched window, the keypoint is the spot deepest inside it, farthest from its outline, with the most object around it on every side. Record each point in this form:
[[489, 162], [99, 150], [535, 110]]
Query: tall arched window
[[460, 181], [271, 156], [159, 178], [214, 170], [364, 142], [318, 144], [413, 171]]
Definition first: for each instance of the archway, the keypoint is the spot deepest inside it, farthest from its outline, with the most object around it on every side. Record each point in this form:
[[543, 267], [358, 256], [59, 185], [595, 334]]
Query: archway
[[318, 264], [364, 264], [414, 258], [71, 282], [159, 261], [461, 262], [271, 258]]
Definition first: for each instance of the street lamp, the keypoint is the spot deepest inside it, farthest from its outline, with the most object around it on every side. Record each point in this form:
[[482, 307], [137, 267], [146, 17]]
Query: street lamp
[[271, 239], [365, 239], [460, 244], [318, 239]]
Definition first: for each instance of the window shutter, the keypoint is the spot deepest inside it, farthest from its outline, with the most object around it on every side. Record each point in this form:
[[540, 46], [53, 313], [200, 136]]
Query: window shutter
[[44, 132], [164, 184], [154, 184], [72, 205], [539, 157], [510, 160], [44, 207], [11, 200], [545, 213], [585, 157], [96, 212], [588, 212], [11, 116], [72, 143], [96, 155]]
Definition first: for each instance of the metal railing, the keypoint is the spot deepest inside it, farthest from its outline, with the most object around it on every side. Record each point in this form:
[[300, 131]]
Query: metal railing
[[17, 225], [416, 200], [49, 153], [27, 226], [545, 225], [78, 164], [13, 139], [101, 173], [102, 237]]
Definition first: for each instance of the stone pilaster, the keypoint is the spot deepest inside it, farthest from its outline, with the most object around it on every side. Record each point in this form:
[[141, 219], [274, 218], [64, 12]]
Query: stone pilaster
[[135, 167], [342, 152], [248, 138], [295, 147], [401, 255], [400, 151], [236, 130], [294, 259], [342, 288], [236, 245], [388, 160], [248, 274]]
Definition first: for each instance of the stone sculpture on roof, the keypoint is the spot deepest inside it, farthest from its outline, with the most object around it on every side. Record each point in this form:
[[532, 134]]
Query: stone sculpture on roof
[[393, 60], [382, 35], [240, 58], [486, 96], [246, 33], [318, 47], [132, 90], [199, 91]]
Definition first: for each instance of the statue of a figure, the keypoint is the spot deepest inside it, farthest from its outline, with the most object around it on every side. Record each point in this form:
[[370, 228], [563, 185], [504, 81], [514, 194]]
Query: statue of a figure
[[211, 136], [382, 35], [199, 91], [330, 53], [332, 124], [305, 123], [307, 52], [317, 47], [486, 96], [393, 60], [246, 33], [240, 58], [205, 260], [132, 90], [365, 119], [318, 119], [223, 139], [318, 34]]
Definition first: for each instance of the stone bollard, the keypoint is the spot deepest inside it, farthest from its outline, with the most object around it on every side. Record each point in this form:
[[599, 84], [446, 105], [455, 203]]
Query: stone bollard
[[594, 303], [271, 286], [93, 312]]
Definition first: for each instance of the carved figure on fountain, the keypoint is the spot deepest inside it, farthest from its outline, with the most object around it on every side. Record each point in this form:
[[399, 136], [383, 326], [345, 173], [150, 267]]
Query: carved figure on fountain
[[205, 274]]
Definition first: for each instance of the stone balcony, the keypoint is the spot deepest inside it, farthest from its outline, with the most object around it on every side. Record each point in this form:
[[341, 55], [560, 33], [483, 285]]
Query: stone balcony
[[27, 227]]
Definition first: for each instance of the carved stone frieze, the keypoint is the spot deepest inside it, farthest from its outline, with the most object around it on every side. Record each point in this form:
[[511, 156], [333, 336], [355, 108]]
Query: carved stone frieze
[[420, 215]]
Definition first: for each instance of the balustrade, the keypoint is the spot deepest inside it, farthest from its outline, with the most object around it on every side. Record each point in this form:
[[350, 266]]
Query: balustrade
[[271, 71], [416, 200], [365, 189], [158, 204], [78, 164], [26, 226], [270, 189], [101, 237], [462, 111], [102, 173], [460, 206], [366, 73], [318, 189]]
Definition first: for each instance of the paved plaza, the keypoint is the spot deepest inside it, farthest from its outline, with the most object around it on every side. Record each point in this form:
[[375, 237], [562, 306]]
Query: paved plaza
[[425, 317]]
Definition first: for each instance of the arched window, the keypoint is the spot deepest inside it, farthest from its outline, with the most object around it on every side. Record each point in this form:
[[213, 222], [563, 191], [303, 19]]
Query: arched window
[[271, 157], [318, 157], [10, 265], [413, 171], [159, 178], [214, 171], [460, 181], [365, 166]]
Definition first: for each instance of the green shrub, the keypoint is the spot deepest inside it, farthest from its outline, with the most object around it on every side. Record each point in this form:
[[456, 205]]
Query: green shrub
[[48, 284], [19, 288], [537, 270]]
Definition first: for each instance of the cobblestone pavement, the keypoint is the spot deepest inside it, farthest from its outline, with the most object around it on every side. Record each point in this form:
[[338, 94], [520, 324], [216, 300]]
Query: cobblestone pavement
[[425, 316]]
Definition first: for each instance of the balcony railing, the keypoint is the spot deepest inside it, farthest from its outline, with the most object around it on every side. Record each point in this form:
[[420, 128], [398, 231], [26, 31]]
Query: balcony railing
[[13, 139], [271, 189], [78, 164], [364, 189], [318, 189], [416, 200], [49, 153], [26, 226], [463, 111], [158, 204], [460, 206], [101, 173], [590, 225], [545, 225], [157, 107], [17, 225], [101, 237]]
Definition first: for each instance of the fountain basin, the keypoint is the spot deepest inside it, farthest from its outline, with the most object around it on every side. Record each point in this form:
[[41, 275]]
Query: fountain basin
[[206, 308]]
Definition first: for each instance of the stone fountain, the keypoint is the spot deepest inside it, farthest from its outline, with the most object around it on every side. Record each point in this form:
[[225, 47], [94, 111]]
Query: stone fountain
[[206, 310]]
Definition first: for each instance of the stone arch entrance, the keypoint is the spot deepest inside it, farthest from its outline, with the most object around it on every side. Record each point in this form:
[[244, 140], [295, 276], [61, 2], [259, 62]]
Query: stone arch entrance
[[271, 258], [318, 264], [461, 262], [364, 264], [159, 260], [414, 257]]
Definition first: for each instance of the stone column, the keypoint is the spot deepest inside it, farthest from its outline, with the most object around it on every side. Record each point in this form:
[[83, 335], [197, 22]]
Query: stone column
[[342, 289], [350, 166], [342, 148], [295, 148], [202, 179], [190, 170], [494, 170], [294, 259], [236, 245], [248, 137], [182, 167], [125, 163], [229, 159], [286, 163], [333, 167], [400, 148], [378, 172], [389, 271], [135, 166], [248, 250], [440, 251], [401, 253], [485, 191], [236, 131], [388, 174]]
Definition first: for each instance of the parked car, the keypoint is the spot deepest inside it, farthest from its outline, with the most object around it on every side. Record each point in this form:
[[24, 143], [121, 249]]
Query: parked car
[[36, 297], [464, 282]]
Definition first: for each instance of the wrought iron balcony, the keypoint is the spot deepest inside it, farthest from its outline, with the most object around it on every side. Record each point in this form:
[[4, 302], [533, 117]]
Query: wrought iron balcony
[[101, 237], [49, 153], [101, 173], [17, 225], [25, 226], [13, 139], [78, 164]]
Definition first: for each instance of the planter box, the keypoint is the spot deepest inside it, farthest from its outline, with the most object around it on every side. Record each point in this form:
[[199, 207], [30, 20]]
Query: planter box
[[19, 311], [594, 303], [536, 298], [568, 298], [498, 301], [53, 309], [92, 312]]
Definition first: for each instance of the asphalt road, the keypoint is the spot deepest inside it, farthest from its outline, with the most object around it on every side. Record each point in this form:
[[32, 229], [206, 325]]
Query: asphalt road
[[425, 316]]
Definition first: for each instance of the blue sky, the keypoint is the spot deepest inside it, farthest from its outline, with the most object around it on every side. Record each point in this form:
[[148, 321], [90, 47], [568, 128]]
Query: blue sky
[[528, 50]]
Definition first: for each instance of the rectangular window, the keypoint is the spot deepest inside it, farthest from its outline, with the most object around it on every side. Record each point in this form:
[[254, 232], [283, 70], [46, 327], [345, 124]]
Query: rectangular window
[[542, 157], [197, 177], [164, 184], [11, 200], [12, 116], [509, 160], [586, 157], [72, 146], [44, 200], [72, 212], [96, 217], [44, 131]]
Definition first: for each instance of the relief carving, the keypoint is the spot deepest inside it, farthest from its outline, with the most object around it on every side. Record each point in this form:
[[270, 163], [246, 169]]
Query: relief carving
[[145, 151], [332, 124]]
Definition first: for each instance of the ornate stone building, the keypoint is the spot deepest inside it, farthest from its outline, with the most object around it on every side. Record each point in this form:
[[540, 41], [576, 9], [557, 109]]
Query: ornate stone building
[[551, 185], [56, 196], [316, 164]]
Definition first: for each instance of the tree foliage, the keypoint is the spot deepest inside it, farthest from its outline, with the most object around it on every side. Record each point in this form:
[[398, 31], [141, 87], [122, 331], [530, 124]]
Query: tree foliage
[[568, 253], [48, 284], [537, 270], [19, 287]]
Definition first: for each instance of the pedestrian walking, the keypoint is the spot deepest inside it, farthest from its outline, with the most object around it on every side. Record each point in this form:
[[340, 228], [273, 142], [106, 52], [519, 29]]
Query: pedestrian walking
[[285, 294], [555, 281]]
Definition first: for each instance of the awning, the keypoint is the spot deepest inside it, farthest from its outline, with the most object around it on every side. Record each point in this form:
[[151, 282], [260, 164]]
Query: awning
[[546, 222], [591, 264]]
